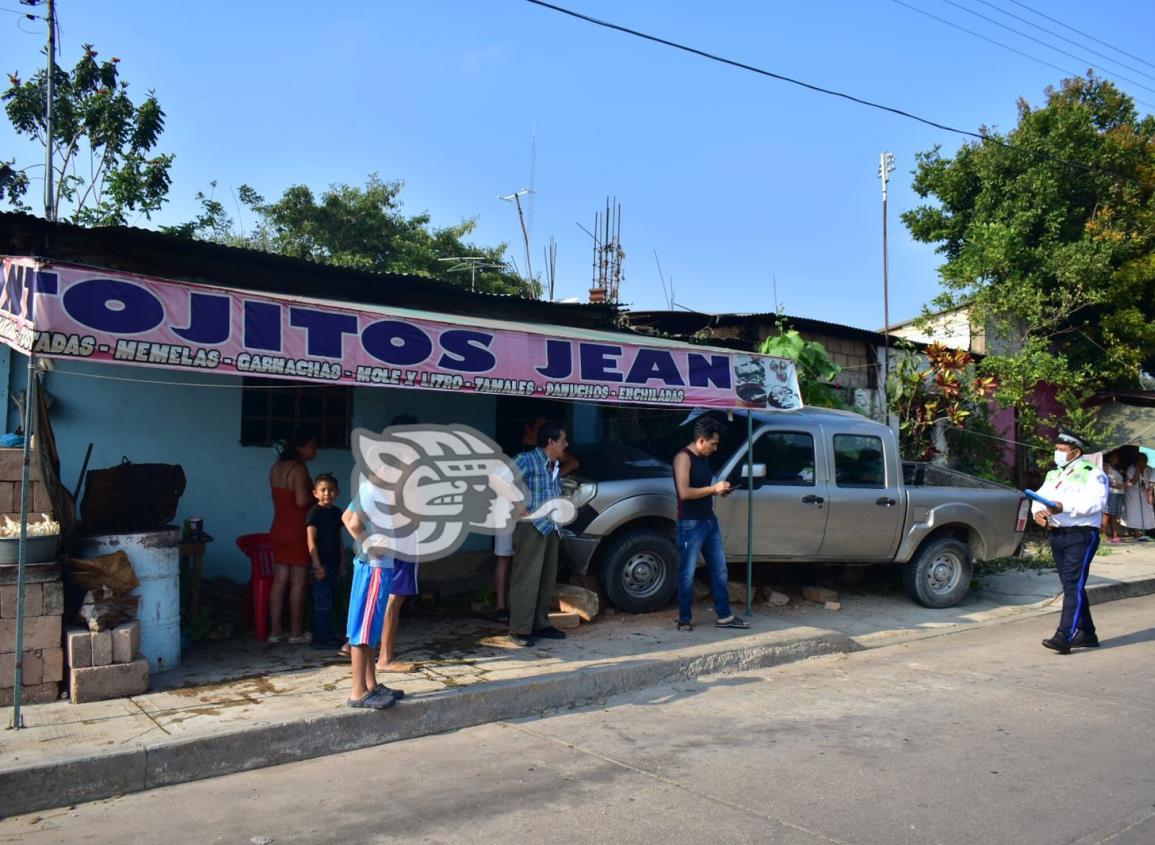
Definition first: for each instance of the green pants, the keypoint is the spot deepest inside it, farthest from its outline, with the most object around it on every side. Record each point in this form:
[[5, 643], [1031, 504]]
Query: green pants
[[532, 579]]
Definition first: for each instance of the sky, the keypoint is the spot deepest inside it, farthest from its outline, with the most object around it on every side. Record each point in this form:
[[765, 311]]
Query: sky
[[740, 185]]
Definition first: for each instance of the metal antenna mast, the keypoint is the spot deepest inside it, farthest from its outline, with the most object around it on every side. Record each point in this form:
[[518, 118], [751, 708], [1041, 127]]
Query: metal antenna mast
[[885, 168], [515, 197]]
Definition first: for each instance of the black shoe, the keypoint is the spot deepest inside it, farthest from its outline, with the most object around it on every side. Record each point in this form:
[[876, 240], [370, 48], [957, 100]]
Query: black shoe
[[550, 633], [520, 641], [1058, 643], [502, 617], [1082, 640]]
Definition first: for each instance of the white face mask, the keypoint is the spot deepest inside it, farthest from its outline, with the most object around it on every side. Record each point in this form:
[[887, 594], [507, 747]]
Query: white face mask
[[1062, 458]]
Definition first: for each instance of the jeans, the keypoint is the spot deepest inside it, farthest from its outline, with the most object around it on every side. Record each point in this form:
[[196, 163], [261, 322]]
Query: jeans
[[323, 605], [702, 536]]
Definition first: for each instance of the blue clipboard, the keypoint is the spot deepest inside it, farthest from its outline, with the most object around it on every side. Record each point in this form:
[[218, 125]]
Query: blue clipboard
[[1035, 497]]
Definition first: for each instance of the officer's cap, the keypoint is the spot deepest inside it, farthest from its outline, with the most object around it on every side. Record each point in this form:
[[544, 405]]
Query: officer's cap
[[1071, 439]]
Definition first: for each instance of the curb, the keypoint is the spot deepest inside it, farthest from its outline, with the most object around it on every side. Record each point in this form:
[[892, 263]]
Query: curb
[[147, 766]]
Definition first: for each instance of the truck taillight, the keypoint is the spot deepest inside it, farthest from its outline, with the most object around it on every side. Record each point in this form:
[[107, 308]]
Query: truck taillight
[[1024, 513]]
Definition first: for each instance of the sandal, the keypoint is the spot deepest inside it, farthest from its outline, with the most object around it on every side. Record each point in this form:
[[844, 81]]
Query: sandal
[[372, 700]]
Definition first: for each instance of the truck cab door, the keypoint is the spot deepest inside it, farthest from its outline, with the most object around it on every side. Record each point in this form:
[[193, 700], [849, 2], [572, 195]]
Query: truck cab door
[[866, 505], [789, 497]]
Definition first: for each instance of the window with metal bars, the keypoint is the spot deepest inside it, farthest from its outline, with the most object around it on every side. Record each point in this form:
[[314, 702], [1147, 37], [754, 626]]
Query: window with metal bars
[[272, 409]]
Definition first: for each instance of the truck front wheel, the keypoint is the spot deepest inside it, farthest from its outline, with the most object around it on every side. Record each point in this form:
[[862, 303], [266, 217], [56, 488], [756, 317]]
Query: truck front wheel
[[940, 573], [639, 570]]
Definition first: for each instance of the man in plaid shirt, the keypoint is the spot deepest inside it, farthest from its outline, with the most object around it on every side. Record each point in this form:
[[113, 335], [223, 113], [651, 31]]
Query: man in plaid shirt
[[534, 575]]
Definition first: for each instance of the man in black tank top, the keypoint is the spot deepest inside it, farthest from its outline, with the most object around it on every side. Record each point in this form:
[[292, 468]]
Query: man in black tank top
[[698, 531]]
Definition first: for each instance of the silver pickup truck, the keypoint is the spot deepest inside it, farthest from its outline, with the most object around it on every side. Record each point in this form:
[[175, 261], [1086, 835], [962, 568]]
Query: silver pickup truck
[[829, 487]]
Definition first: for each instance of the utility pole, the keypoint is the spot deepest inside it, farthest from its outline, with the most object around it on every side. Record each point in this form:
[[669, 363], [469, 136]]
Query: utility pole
[[30, 399], [516, 198], [885, 168]]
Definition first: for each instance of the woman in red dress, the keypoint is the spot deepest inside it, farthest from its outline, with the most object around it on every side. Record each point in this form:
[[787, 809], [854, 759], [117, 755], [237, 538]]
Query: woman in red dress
[[292, 490]]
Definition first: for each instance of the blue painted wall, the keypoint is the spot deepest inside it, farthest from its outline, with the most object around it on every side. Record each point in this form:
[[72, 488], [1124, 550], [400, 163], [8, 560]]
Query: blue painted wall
[[194, 420]]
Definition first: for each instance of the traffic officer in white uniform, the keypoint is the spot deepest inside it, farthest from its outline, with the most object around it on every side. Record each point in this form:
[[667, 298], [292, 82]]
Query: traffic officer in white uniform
[[1078, 490]]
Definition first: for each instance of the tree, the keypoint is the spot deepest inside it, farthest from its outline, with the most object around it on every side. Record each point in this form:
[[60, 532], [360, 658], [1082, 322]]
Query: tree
[[349, 226], [104, 167], [1049, 237]]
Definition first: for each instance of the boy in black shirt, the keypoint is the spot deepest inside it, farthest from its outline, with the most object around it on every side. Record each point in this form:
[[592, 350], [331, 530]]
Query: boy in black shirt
[[323, 528]]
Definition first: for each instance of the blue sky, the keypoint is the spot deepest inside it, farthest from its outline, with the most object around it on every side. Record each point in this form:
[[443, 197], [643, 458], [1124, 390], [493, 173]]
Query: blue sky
[[733, 179]]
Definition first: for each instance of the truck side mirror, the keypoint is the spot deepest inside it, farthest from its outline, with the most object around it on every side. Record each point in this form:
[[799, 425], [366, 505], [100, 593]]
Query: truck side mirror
[[759, 470]]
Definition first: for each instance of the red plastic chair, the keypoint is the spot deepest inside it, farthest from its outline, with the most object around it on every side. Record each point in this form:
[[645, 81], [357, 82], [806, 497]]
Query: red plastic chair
[[259, 549]]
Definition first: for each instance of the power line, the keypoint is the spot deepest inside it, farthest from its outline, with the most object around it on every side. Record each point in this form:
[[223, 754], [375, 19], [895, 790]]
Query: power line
[[1054, 34], [1022, 34], [1080, 32], [830, 92], [1015, 50]]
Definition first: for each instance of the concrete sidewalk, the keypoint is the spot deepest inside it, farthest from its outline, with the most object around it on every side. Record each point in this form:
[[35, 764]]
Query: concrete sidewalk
[[244, 705]]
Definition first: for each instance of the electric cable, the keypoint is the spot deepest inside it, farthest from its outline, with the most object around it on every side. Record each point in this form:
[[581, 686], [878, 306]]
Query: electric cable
[[1022, 34], [1054, 34], [1084, 34], [988, 139]]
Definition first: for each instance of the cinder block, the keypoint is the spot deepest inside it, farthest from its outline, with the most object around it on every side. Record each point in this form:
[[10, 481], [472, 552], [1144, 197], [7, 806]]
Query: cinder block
[[102, 682], [39, 632], [38, 694], [41, 502], [33, 669], [53, 598], [126, 642], [52, 665], [562, 620], [79, 644], [12, 465], [33, 601], [101, 648]]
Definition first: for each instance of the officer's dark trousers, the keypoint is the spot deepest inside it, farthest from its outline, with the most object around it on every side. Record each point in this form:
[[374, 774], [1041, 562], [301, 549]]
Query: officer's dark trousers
[[1073, 549]]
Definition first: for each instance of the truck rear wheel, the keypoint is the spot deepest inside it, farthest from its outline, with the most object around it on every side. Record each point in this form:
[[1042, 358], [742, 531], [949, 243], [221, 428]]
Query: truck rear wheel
[[940, 573], [639, 570]]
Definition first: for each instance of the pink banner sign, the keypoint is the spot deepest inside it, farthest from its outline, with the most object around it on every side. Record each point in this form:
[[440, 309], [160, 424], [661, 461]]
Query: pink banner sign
[[91, 314]]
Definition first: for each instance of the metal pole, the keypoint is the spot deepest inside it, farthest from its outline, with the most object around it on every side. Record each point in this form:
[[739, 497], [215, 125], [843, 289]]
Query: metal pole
[[49, 173], [749, 510], [30, 395], [885, 168]]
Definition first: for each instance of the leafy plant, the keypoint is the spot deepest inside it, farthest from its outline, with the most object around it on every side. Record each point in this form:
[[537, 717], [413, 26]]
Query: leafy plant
[[105, 165], [816, 370]]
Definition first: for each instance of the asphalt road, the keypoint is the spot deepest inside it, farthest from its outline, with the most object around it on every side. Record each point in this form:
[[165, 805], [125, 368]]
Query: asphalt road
[[977, 737]]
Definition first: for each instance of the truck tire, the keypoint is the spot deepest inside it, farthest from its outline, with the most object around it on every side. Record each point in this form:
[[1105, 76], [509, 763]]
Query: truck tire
[[939, 575], [639, 570]]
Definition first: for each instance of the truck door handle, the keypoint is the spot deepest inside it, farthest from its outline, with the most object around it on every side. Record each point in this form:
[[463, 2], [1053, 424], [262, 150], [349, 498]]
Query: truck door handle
[[885, 501], [813, 500]]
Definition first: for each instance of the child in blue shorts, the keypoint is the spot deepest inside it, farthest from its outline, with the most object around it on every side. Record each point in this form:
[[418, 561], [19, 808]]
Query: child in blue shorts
[[372, 580]]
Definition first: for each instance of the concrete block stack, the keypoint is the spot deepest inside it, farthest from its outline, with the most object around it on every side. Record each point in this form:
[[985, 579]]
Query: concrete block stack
[[105, 664], [43, 659]]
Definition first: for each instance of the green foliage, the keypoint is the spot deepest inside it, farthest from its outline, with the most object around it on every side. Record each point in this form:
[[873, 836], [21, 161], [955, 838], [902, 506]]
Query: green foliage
[[363, 228], [1051, 234], [104, 164], [816, 370], [943, 389]]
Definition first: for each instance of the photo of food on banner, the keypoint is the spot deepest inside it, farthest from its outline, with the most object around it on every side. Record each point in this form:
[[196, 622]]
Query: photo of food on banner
[[765, 382]]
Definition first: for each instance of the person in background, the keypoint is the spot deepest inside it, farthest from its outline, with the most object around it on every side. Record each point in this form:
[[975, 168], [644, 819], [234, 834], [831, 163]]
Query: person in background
[[533, 578], [1078, 491], [327, 553], [1138, 514], [1114, 510], [503, 540], [291, 489], [698, 530], [404, 584], [372, 578]]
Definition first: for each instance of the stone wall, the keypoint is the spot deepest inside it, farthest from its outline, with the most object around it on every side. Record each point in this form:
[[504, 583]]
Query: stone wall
[[43, 662]]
